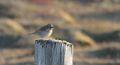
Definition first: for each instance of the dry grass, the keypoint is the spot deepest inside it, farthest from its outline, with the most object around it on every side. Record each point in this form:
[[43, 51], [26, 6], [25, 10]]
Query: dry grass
[[94, 18]]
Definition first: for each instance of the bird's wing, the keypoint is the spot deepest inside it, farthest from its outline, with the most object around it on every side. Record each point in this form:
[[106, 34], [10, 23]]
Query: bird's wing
[[42, 28]]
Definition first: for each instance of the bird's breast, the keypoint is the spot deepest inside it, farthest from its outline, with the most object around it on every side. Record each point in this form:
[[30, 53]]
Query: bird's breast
[[45, 33]]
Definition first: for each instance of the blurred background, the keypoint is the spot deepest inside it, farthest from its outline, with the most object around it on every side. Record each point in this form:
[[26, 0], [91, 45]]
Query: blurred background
[[92, 26]]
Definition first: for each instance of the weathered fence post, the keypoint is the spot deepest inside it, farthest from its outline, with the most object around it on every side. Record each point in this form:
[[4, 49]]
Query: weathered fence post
[[53, 52]]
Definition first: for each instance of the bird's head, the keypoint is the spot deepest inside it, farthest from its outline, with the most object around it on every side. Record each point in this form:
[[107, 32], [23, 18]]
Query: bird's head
[[50, 25]]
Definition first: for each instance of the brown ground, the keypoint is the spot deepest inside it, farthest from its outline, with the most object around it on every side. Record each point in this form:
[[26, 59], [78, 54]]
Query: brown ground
[[98, 25]]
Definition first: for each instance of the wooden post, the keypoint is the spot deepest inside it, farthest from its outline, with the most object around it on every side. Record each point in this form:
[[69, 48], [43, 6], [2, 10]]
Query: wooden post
[[53, 52]]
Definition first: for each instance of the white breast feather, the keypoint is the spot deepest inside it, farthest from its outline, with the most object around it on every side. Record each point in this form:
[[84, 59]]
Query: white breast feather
[[45, 33]]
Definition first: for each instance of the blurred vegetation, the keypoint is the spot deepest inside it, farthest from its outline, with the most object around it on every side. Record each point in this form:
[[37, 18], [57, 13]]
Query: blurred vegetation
[[109, 53], [104, 37], [93, 26], [5, 12]]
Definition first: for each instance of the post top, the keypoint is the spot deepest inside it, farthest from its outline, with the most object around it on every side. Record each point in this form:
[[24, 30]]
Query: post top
[[53, 41]]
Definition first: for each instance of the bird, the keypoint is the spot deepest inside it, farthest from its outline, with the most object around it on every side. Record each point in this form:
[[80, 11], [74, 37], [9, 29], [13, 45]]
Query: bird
[[45, 31]]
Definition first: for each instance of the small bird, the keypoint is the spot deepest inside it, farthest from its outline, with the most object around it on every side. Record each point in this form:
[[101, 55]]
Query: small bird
[[45, 31]]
